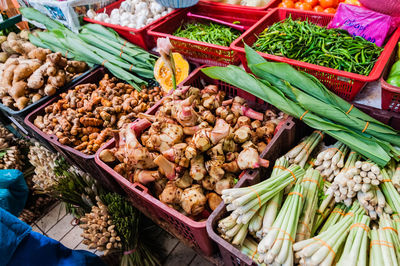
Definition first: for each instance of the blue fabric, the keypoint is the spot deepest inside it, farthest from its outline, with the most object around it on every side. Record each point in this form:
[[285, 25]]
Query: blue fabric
[[19, 245], [12, 232], [13, 191]]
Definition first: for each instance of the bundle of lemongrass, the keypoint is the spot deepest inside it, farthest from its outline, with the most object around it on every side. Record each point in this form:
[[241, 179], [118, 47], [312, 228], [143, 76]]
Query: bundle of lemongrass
[[330, 161], [384, 245], [300, 154], [321, 249]]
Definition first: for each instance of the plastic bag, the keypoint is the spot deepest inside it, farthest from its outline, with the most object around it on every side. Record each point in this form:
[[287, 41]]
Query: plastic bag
[[359, 21]]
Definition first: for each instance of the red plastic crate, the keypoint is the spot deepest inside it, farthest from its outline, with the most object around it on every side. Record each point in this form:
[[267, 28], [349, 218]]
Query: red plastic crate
[[271, 4], [194, 232], [390, 93], [201, 52], [287, 138], [345, 84], [83, 161], [135, 36]]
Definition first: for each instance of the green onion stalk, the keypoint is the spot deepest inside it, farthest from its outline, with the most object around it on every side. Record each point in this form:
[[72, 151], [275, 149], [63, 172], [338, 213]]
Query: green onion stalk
[[245, 202], [299, 154], [276, 246], [391, 194], [356, 246], [322, 249], [311, 182]]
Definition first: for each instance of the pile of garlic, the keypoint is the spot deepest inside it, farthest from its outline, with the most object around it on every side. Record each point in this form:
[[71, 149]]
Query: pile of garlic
[[132, 13]]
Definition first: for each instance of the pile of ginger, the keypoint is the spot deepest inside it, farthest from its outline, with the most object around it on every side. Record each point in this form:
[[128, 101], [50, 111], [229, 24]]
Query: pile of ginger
[[29, 73], [85, 117], [195, 146]]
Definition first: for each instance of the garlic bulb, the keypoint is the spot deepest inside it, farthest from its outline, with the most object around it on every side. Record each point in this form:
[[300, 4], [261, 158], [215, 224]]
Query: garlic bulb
[[132, 13]]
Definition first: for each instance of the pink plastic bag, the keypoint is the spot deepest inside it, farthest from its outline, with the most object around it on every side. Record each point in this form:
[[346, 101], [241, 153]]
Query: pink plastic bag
[[359, 21]]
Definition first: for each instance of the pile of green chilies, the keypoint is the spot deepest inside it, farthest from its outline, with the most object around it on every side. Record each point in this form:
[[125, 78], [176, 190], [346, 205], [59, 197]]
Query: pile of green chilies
[[310, 43], [208, 32]]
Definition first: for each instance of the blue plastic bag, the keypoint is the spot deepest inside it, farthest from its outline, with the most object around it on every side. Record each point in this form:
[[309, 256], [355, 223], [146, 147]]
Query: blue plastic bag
[[13, 191]]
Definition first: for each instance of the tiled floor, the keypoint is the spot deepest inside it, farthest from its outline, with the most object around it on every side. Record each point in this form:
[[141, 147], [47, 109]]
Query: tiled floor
[[57, 224]]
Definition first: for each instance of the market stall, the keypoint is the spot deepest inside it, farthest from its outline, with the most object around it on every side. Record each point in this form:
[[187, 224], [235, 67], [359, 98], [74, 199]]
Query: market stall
[[255, 132]]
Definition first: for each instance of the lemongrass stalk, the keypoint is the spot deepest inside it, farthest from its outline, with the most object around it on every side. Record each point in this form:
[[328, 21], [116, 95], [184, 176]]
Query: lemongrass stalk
[[391, 195], [314, 144], [387, 226], [241, 235], [352, 249], [336, 157], [396, 177], [323, 212], [334, 217], [271, 212], [313, 140], [255, 223], [320, 250], [376, 257], [277, 244], [363, 258], [311, 181]]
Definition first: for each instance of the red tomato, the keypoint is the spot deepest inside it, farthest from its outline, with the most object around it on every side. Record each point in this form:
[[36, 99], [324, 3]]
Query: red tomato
[[330, 10], [311, 2], [298, 5], [288, 4], [318, 9], [306, 6], [328, 3]]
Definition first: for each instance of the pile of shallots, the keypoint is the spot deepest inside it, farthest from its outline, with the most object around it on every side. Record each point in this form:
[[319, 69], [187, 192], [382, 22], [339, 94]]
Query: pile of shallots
[[195, 146]]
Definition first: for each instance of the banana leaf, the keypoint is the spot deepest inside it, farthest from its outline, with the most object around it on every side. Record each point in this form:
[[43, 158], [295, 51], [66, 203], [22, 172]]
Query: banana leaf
[[265, 91], [305, 82]]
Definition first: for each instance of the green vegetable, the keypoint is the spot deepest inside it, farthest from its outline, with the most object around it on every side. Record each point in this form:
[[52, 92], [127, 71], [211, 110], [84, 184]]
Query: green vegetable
[[210, 33], [310, 43], [395, 70], [394, 80]]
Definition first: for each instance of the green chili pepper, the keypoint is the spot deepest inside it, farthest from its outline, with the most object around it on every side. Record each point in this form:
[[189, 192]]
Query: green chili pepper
[[307, 42]]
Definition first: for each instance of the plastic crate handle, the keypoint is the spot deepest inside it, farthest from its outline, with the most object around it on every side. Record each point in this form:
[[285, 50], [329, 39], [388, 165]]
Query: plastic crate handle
[[141, 188]]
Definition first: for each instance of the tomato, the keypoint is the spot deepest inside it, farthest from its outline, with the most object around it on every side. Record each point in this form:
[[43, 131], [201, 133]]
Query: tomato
[[328, 3], [318, 9], [330, 10], [306, 6], [287, 4], [311, 2], [298, 5]]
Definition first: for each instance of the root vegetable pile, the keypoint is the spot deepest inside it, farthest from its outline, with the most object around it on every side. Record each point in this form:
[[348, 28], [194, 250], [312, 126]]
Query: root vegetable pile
[[29, 73], [85, 116], [99, 230], [196, 145]]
